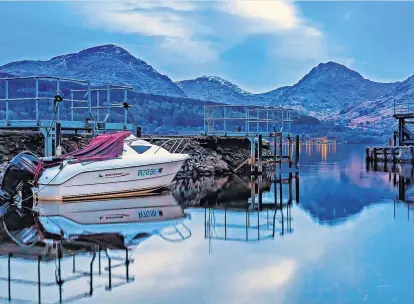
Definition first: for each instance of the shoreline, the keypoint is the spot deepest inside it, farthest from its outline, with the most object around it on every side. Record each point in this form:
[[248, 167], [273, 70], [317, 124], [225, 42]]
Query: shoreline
[[210, 155]]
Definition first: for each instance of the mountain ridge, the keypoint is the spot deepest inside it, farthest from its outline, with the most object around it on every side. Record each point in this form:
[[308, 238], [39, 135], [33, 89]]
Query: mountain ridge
[[329, 91]]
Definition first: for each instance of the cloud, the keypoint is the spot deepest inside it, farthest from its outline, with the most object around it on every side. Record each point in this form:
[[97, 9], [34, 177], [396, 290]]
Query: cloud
[[158, 19], [193, 35]]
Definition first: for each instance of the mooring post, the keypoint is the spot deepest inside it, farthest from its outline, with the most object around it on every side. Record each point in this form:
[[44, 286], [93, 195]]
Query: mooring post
[[259, 169], [281, 148], [297, 151], [297, 186], [252, 153], [290, 187], [400, 131]]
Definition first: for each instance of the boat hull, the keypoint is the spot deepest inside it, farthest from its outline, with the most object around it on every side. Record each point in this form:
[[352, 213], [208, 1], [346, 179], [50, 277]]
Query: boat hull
[[109, 183]]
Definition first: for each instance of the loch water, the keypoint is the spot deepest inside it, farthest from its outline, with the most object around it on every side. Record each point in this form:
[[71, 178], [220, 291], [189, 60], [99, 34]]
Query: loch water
[[342, 233]]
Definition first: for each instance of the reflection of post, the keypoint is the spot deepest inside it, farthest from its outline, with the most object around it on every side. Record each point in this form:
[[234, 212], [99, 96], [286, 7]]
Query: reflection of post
[[297, 186], [91, 274], [401, 188], [259, 168], [290, 188], [39, 258], [297, 151], [9, 275], [280, 149], [260, 192]]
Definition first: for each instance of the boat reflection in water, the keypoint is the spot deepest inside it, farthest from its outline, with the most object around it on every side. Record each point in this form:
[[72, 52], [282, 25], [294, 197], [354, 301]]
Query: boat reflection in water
[[84, 233], [252, 216]]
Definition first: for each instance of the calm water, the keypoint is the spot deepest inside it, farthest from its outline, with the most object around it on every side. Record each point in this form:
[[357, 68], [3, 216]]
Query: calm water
[[345, 239]]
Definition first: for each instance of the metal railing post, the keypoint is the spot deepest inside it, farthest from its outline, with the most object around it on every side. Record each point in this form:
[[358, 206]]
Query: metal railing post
[[71, 108], [125, 109], [7, 101], [89, 99], [97, 106], [57, 93], [37, 100], [225, 122], [108, 101]]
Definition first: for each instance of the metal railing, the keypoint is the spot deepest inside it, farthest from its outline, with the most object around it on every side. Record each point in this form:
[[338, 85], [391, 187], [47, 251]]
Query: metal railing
[[403, 106], [229, 119]]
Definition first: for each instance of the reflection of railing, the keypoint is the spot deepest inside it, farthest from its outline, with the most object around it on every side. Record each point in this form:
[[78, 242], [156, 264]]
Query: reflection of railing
[[57, 255], [259, 218]]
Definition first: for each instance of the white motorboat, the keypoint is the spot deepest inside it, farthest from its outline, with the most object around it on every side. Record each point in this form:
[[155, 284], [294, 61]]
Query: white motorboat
[[112, 166]]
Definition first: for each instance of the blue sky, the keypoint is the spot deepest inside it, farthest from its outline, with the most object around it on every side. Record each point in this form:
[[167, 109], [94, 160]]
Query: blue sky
[[259, 45]]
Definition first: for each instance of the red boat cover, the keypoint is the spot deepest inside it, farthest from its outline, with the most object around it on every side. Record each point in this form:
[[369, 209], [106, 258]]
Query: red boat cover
[[101, 147]]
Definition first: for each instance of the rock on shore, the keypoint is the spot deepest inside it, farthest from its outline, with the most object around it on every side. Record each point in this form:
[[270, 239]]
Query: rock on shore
[[210, 155]]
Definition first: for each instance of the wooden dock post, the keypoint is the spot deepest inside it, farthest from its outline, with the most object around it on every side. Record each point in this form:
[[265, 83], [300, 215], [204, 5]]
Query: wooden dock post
[[280, 149], [252, 153], [259, 155]]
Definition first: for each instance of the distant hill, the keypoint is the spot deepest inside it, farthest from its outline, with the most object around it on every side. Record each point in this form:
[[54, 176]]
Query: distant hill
[[325, 90], [216, 89], [331, 92], [101, 65]]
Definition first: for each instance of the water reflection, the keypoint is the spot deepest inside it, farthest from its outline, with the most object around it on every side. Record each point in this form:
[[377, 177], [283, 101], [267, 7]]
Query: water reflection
[[257, 216], [85, 233]]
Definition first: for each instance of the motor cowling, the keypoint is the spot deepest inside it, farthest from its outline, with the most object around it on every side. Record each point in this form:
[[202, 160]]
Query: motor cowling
[[18, 176]]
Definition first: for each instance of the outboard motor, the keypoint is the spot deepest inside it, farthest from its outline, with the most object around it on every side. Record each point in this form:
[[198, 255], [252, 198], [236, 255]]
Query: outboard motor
[[16, 181]]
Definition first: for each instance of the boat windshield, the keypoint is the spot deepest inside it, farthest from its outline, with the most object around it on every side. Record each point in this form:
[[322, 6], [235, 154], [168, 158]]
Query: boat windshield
[[140, 149]]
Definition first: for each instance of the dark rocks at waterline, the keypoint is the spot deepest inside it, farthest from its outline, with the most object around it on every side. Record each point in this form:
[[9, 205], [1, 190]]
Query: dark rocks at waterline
[[14, 142], [211, 155]]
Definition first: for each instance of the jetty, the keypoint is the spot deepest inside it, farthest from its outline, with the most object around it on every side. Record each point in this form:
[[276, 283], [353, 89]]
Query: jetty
[[75, 107], [401, 150]]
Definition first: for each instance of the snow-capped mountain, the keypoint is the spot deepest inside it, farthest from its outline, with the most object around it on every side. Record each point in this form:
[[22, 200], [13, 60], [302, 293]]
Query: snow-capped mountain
[[327, 89], [330, 91], [215, 89], [324, 91], [377, 113], [101, 65]]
